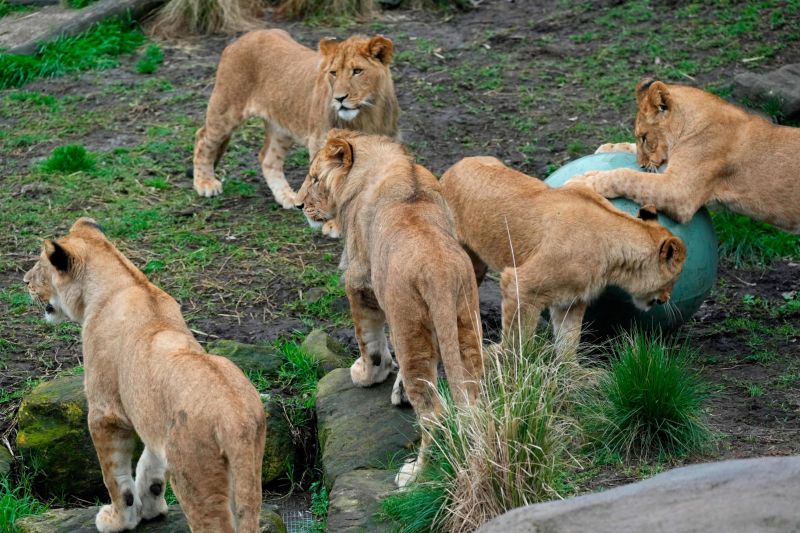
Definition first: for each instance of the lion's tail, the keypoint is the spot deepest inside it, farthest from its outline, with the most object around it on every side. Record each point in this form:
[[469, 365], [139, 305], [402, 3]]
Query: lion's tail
[[459, 334], [244, 469]]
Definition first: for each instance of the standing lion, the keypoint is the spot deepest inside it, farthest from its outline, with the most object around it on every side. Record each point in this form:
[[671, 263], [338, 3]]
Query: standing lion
[[201, 420], [300, 93]]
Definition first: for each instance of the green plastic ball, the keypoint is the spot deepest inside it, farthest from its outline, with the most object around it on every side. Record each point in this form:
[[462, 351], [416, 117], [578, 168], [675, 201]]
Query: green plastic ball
[[613, 310]]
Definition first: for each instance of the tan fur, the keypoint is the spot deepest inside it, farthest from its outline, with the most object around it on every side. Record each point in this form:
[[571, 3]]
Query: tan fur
[[294, 89], [199, 417], [567, 245], [715, 153], [404, 267]]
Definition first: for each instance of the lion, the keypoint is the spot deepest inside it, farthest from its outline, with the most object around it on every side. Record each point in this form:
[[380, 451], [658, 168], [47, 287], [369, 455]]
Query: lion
[[300, 93], [201, 421], [556, 248], [404, 268], [714, 152]]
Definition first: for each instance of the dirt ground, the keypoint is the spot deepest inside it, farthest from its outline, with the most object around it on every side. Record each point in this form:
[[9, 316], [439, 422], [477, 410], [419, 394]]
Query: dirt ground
[[533, 83]]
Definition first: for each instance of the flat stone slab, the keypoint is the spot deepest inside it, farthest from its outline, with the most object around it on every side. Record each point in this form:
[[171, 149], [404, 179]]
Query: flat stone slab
[[22, 33], [356, 497], [782, 85], [359, 427], [82, 521], [739, 496]]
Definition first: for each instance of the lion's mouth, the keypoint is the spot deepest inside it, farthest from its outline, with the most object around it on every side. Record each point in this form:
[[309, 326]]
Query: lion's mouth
[[348, 113], [49, 309]]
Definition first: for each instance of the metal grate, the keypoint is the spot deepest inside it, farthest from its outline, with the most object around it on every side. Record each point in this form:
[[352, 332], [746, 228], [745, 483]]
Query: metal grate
[[295, 511]]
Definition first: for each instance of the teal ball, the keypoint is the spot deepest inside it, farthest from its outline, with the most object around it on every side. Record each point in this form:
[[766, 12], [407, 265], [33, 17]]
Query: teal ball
[[614, 310]]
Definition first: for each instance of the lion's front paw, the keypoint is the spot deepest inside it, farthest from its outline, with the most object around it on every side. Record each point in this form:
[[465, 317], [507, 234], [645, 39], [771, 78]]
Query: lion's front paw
[[365, 374], [407, 474], [332, 229], [587, 178], [207, 187], [285, 196], [108, 520], [153, 503], [616, 147]]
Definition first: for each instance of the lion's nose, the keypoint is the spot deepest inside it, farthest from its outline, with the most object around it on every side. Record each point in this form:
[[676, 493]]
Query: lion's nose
[[340, 99], [299, 206]]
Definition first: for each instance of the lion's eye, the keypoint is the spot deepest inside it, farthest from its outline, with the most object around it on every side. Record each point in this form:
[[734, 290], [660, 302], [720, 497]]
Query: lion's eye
[[357, 71], [332, 73]]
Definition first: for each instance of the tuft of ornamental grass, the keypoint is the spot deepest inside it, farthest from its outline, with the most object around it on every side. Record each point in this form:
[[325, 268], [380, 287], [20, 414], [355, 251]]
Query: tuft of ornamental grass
[[153, 57], [650, 403], [96, 48], [747, 242], [69, 158], [17, 501], [179, 18], [505, 451], [326, 8]]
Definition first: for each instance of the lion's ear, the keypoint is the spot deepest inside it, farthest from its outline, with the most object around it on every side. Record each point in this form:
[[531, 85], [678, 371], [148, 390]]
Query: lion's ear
[[58, 256], [657, 95], [381, 49], [340, 152], [648, 212], [672, 253], [328, 46]]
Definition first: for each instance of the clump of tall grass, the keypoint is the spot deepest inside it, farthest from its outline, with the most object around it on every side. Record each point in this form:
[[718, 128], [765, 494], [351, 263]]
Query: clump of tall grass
[[69, 158], [17, 501], [197, 17], [502, 452], [650, 403]]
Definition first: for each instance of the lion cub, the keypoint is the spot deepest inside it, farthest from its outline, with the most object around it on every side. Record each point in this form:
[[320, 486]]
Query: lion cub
[[404, 267], [199, 417], [556, 248], [300, 93], [715, 153]]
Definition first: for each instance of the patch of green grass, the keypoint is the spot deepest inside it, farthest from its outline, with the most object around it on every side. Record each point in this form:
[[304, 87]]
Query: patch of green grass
[[97, 48], [747, 242], [17, 500], [69, 158], [80, 4], [6, 8], [149, 63], [650, 403], [319, 506], [754, 391]]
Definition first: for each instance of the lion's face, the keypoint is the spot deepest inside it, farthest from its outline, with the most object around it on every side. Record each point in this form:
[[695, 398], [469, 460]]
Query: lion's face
[[42, 286], [328, 169], [356, 70], [652, 128], [656, 286]]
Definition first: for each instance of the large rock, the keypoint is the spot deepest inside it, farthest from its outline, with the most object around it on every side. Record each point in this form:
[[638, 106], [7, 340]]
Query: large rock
[[358, 427], [5, 461], [356, 498], [82, 521], [781, 86], [53, 435], [327, 350], [733, 496]]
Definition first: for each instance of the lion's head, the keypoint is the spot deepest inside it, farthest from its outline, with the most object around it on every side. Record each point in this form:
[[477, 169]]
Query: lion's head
[[649, 286], [55, 281], [357, 71], [653, 124]]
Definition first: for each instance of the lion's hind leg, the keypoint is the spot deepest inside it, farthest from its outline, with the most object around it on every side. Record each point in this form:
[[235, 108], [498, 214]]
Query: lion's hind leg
[[375, 363], [276, 145], [151, 482], [201, 483]]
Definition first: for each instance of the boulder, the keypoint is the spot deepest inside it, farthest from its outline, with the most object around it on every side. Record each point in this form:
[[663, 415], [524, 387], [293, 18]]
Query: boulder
[[781, 85], [5, 461], [327, 350], [733, 496], [359, 427], [82, 521], [280, 452], [53, 437], [356, 498]]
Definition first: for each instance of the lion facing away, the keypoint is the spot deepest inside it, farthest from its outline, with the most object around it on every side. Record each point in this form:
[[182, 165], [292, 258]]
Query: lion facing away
[[404, 268], [556, 248], [715, 152], [300, 93], [199, 417]]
